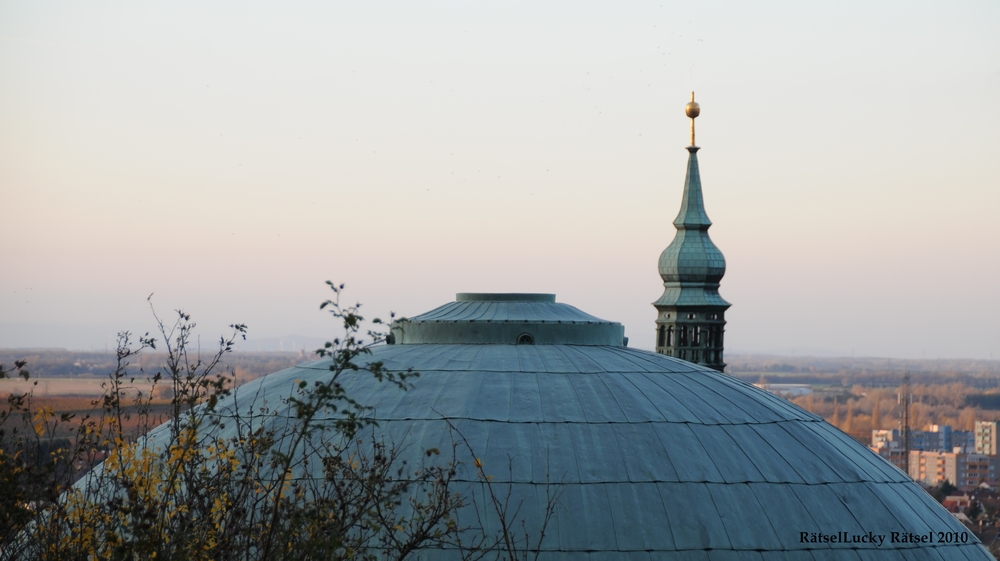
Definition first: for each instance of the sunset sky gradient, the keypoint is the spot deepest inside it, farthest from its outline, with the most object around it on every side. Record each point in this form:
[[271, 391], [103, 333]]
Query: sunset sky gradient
[[230, 157]]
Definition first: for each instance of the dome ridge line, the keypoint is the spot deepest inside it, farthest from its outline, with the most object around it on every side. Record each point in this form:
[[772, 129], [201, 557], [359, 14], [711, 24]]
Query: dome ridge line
[[586, 422]]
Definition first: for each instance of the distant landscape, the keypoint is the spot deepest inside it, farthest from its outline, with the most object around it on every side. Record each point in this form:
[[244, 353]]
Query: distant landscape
[[73, 382], [872, 371], [861, 394], [855, 394], [60, 372]]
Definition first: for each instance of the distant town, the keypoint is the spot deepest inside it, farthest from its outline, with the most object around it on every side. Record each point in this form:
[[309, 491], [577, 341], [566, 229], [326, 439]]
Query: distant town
[[936, 420]]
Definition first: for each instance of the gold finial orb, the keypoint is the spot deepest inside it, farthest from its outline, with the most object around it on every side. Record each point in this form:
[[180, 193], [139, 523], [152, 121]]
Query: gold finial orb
[[692, 109]]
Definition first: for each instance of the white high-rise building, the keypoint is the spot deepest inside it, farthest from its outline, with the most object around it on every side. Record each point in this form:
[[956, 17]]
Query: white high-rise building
[[987, 433]]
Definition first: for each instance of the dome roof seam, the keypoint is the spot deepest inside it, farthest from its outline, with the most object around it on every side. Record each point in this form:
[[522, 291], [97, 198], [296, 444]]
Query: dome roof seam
[[473, 371], [732, 483], [543, 422], [836, 547], [718, 396]]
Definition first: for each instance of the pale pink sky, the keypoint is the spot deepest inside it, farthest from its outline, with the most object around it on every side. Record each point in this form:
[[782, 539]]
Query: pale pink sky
[[231, 157]]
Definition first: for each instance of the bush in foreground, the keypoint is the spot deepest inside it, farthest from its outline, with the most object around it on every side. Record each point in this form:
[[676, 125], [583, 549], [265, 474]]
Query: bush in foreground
[[179, 491]]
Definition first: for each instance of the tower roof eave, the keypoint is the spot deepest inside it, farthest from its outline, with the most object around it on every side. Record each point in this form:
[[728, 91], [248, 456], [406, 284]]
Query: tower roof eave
[[696, 297]]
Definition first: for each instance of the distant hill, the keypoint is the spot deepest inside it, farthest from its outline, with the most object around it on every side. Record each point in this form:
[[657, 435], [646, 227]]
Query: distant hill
[[871, 371], [291, 343], [61, 363]]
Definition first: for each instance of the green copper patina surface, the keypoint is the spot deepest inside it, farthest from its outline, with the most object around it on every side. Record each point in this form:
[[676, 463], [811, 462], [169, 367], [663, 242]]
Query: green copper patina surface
[[690, 314], [507, 318], [649, 458], [692, 266]]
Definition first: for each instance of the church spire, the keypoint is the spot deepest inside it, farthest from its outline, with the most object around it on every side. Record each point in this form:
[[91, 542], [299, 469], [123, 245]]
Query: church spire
[[692, 213], [690, 313]]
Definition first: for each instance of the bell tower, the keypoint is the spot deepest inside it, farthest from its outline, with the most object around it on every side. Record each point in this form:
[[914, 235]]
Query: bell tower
[[690, 316]]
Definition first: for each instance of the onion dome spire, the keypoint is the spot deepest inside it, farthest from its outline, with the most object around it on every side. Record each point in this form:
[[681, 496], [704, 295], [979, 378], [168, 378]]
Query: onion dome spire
[[690, 313], [692, 257]]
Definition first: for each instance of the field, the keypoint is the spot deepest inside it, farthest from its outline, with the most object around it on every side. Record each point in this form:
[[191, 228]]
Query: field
[[73, 382], [66, 387]]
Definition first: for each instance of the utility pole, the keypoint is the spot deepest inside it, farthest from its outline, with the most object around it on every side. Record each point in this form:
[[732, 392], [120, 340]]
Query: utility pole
[[904, 400]]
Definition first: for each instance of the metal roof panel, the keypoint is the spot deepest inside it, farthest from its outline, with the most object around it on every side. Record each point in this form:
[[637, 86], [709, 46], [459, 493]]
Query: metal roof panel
[[696, 523]]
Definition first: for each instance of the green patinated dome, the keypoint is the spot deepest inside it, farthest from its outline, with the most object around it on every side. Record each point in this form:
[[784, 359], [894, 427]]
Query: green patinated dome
[[651, 457]]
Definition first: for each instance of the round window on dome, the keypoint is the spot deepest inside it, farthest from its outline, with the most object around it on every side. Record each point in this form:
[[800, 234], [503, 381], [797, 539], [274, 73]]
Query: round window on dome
[[526, 339]]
